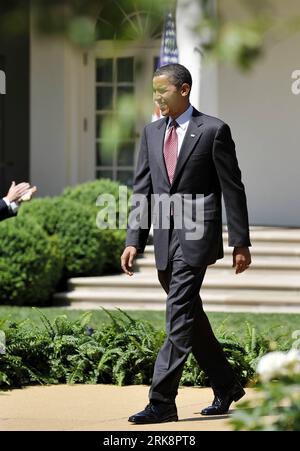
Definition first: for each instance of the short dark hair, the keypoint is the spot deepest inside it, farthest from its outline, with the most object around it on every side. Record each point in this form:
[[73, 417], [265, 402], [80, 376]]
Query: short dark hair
[[178, 74]]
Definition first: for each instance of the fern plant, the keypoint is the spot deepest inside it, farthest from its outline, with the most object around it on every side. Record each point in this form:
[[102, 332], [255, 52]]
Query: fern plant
[[121, 352]]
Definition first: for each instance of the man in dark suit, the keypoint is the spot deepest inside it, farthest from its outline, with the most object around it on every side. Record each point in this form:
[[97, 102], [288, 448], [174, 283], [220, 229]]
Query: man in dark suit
[[17, 193], [187, 154]]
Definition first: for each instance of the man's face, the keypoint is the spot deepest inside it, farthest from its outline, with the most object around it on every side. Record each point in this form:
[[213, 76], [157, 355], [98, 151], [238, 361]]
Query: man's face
[[172, 101]]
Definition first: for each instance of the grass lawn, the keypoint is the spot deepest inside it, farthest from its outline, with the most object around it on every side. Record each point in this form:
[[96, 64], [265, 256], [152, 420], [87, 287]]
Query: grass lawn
[[272, 326]]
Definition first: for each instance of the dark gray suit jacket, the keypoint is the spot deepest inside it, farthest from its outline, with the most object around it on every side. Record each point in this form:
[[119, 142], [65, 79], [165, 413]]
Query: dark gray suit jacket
[[207, 165], [5, 212]]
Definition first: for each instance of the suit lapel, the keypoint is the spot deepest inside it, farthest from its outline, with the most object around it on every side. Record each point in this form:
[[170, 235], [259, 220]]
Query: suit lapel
[[191, 138], [159, 138]]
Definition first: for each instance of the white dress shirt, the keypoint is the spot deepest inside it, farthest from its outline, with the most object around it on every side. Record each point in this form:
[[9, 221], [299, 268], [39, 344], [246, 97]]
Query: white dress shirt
[[13, 206], [183, 122]]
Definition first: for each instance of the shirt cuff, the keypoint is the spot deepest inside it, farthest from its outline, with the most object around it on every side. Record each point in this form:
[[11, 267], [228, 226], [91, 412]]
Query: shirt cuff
[[13, 206]]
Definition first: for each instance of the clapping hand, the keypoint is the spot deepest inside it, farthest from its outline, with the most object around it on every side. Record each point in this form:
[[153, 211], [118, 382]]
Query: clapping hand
[[20, 192], [29, 193]]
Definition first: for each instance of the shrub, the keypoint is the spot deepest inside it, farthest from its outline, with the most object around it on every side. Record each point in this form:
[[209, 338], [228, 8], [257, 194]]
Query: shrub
[[50, 212], [79, 239], [87, 193], [45, 211], [30, 262], [75, 227], [113, 240]]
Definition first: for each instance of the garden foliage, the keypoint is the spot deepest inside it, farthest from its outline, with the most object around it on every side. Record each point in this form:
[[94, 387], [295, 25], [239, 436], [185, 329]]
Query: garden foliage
[[122, 352]]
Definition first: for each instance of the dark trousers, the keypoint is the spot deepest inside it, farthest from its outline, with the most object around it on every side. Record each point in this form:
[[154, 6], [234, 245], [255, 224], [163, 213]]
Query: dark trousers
[[187, 329]]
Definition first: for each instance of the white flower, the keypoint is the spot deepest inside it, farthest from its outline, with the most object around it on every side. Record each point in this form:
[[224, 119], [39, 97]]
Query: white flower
[[277, 364], [293, 361], [270, 365]]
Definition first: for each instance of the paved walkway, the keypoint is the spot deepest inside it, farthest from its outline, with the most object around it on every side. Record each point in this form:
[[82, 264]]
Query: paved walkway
[[100, 408]]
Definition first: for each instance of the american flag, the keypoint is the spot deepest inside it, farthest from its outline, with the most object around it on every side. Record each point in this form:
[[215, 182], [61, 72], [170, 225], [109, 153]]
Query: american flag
[[168, 50]]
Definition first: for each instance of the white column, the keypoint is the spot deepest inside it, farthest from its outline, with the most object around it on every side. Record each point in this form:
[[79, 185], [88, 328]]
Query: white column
[[204, 95], [188, 14]]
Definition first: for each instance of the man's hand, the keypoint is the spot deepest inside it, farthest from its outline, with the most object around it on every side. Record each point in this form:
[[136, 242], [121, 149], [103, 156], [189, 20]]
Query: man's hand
[[28, 195], [241, 259], [127, 259], [17, 191], [21, 191]]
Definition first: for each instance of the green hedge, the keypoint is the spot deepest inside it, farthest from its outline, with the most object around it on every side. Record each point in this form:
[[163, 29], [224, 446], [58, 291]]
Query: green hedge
[[79, 238], [75, 228], [47, 213], [44, 211], [53, 239], [87, 193], [113, 241], [62, 230], [87, 249], [30, 262]]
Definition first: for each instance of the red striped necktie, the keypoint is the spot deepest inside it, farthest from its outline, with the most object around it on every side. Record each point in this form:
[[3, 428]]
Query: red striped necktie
[[171, 150]]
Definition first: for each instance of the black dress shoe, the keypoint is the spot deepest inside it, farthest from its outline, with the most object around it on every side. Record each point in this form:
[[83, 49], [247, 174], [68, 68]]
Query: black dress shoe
[[222, 400], [155, 413]]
